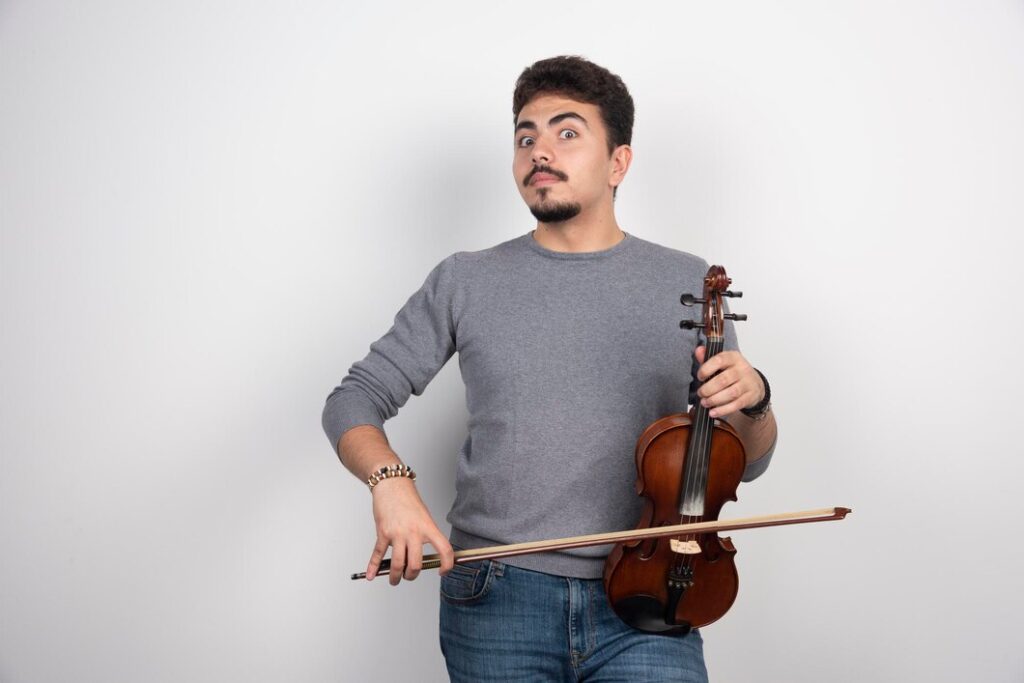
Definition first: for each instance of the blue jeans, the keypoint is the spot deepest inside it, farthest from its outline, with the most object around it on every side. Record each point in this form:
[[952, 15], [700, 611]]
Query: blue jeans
[[503, 623]]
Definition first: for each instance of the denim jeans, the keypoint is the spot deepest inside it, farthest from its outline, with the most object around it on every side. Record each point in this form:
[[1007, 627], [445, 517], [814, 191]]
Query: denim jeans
[[503, 623]]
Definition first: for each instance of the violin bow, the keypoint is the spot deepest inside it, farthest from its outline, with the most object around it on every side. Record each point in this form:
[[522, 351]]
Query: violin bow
[[499, 551]]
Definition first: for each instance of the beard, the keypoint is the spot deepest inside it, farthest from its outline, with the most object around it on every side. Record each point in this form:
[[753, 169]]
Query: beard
[[555, 212]]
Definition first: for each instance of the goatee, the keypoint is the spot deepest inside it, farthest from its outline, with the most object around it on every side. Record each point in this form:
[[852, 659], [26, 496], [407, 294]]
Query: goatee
[[555, 213]]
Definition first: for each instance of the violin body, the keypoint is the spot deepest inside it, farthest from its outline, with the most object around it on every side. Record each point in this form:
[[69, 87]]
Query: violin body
[[638, 575]]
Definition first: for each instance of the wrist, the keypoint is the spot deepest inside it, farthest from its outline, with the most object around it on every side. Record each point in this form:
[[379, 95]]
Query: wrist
[[393, 471], [760, 409], [393, 485]]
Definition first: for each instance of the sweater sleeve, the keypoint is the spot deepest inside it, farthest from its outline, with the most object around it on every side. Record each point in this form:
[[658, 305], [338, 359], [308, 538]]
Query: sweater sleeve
[[400, 363]]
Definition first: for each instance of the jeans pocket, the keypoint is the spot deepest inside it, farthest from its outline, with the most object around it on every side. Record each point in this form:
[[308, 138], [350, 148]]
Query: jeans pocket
[[467, 583]]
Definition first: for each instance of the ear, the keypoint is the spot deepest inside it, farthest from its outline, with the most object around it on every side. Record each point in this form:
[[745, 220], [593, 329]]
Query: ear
[[622, 157]]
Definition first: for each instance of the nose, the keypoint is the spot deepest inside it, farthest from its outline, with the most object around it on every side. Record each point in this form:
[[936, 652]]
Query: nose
[[541, 152]]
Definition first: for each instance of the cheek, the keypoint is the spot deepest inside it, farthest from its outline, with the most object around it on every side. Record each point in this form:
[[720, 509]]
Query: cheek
[[595, 175], [520, 166]]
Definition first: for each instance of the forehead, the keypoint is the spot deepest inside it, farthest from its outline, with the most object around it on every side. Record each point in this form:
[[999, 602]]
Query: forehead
[[543, 107]]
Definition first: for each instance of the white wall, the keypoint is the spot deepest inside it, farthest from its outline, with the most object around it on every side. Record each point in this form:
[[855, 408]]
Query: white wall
[[210, 209]]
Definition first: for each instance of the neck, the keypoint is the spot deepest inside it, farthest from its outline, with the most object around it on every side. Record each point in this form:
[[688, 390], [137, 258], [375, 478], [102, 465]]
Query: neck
[[580, 234]]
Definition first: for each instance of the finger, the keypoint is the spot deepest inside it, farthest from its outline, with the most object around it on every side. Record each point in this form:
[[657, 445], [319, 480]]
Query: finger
[[727, 409], [733, 398], [397, 563], [444, 551], [717, 384], [722, 361], [711, 366], [741, 379], [413, 560], [376, 557], [724, 397]]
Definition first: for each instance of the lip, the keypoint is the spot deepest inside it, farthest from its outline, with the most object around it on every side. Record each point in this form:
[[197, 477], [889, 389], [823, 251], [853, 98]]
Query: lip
[[543, 179]]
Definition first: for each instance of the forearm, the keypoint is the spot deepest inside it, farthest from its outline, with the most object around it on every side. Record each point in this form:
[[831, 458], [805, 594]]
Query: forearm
[[363, 449], [758, 435]]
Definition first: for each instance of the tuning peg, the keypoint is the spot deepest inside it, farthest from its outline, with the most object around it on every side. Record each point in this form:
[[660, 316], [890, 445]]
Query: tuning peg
[[689, 300], [735, 295], [735, 316], [689, 324]]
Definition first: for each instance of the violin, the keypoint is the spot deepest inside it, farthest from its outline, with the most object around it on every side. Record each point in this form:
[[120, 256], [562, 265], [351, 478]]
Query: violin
[[672, 573], [688, 466]]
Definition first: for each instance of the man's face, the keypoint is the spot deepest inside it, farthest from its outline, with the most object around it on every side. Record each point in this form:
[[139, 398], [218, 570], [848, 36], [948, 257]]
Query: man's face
[[561, 164]]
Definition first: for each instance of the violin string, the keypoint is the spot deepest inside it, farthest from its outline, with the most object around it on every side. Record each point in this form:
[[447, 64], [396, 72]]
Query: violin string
[[692, 458], [701, 433], [703, 423], [698, 457], [696, 463], [698, 466], [694, 467], [714, 347], [704, 431]]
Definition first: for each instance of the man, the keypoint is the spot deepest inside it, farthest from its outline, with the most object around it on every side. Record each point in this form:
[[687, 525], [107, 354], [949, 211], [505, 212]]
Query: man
[[569, 346]]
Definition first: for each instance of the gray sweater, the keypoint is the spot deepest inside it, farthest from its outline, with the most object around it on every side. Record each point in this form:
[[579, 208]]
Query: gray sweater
[[566, 358]]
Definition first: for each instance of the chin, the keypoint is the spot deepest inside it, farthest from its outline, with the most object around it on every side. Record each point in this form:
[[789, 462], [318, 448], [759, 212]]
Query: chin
[[555, 212]]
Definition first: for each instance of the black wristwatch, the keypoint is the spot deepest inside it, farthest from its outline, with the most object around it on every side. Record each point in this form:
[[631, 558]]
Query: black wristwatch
[[761, 407]]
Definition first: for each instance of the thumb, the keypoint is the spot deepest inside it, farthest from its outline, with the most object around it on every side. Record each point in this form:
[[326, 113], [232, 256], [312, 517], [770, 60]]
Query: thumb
[[699, 353]]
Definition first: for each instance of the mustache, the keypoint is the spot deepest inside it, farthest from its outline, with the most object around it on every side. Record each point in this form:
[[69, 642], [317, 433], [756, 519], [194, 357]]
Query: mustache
[[543, 169]]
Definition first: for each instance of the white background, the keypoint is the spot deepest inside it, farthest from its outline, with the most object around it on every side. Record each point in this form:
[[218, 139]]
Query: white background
[[210, 209]]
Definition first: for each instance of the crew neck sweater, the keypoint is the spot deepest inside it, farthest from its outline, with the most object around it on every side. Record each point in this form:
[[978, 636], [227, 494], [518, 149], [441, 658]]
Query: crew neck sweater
[[566, 358]]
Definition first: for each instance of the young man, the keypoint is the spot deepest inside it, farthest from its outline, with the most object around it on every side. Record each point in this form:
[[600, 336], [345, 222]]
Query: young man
[[569, 346]]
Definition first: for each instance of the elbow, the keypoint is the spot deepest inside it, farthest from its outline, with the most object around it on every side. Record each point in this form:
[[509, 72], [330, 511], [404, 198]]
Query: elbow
[[346, 408]]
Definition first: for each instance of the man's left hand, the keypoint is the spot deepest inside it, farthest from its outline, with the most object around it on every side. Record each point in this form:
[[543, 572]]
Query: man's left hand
[[736, 384]]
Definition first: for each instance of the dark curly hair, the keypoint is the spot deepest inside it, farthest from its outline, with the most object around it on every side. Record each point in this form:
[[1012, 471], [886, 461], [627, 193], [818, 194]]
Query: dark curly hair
[[582, 80]]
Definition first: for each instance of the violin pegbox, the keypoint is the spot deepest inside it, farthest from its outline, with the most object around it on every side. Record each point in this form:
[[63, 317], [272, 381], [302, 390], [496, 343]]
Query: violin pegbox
[[716, 286]]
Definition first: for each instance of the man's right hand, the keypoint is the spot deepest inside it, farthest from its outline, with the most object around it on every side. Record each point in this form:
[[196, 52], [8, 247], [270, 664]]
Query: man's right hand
[[404, 523]]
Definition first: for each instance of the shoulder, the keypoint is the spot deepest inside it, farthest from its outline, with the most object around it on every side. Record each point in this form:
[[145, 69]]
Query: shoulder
[[499, 252], [664, 256], [462, 270], [463, 264]]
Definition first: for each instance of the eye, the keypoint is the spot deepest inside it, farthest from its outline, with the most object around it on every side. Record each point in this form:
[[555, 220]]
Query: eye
[[525, 140], [572, 134]]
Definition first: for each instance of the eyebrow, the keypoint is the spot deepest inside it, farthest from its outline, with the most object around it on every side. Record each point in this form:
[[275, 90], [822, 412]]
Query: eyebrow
[[530, 125]]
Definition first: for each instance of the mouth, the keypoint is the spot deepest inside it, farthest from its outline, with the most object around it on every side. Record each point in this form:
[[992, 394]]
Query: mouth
[[543, 179]]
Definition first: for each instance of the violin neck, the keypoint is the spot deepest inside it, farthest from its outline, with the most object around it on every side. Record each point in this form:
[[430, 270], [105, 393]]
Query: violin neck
[[698, 452], [714, 346]]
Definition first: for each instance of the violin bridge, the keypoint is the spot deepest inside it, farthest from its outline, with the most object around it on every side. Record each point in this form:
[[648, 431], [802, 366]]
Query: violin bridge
[[684, 547]]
